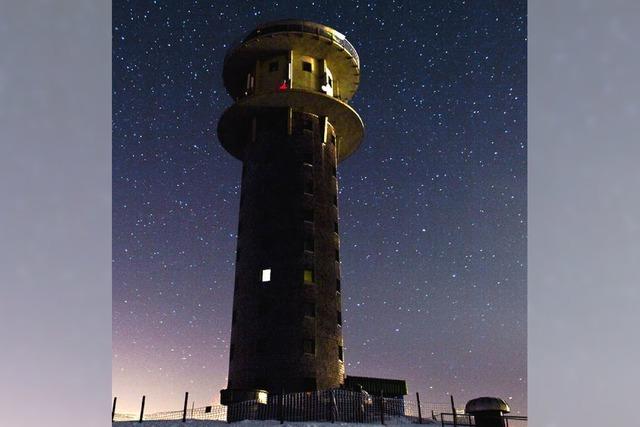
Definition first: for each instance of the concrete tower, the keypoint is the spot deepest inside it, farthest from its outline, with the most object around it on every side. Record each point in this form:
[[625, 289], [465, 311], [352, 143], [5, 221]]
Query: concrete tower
[[290, 126]]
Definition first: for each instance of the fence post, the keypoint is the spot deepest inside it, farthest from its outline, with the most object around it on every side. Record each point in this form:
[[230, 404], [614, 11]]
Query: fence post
[[113, 409], [184, 410], [142, 409], [419, 409], [453, 411], [381, 407], [280, 409]]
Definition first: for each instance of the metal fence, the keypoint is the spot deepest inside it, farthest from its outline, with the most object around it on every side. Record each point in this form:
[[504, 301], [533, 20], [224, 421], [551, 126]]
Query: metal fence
[[463, 420], [328, 406]]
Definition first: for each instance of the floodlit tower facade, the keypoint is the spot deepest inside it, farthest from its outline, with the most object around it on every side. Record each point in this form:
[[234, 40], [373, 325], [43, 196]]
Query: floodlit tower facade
[[290, 126]]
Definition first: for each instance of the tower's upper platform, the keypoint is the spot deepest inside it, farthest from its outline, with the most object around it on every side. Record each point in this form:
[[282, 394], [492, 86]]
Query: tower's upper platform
[[303, 38], [294, 64]]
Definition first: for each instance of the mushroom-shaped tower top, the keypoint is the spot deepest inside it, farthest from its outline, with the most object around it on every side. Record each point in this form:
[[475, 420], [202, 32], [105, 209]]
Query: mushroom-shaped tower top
[[295, 64], [304, 37]]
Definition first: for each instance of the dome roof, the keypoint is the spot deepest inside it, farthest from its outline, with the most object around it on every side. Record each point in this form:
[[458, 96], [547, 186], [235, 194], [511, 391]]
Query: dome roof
[[482, 404]]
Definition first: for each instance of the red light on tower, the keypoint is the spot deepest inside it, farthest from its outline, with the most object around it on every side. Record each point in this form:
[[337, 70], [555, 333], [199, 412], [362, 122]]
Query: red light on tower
[[283, 86]]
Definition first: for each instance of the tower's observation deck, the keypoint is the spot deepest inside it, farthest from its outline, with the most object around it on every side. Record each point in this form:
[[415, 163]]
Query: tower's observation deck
[[292, 64], [290, 126]]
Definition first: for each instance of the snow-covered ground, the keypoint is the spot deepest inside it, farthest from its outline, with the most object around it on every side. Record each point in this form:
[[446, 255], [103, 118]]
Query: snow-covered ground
[[247, 423]]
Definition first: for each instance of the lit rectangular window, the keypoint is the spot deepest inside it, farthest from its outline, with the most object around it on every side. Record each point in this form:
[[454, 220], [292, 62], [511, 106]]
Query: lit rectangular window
[[266, 275], [308, 276]]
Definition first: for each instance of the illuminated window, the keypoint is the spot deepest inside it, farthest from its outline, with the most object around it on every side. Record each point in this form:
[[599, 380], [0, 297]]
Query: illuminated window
[[308, 276], [306, 66], [340, 353], [309, 309], [273, 66], [339, 318], [309, 346], [266, 275]]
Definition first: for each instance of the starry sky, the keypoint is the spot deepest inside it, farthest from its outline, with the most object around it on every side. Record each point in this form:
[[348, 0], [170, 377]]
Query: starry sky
[[432, 206]]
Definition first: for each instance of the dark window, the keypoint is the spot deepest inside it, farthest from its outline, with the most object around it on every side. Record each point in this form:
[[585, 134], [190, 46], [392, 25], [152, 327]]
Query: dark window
[[332, 139], [306, 66], [335, 200], [308, 186], [263, 309], [340, 353], [308, 244], [329, 81], [273, 66], [308, 215], [334, 171], [309, 384], [309, 346], [307, 123], [335, 227], [339, 317], [337, 255], [261, 345], [309, 309], [338, 285], [308, 157]]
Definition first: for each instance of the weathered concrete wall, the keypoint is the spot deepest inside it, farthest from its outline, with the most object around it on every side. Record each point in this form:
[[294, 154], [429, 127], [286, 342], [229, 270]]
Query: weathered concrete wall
[[285, 177]]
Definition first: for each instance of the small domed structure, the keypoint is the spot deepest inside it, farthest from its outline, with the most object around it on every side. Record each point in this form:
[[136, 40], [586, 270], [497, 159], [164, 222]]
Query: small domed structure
[[487, 411]]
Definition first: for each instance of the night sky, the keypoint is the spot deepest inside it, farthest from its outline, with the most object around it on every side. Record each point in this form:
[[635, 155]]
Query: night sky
[[432, 206]]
